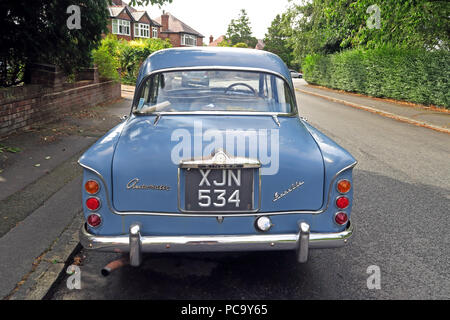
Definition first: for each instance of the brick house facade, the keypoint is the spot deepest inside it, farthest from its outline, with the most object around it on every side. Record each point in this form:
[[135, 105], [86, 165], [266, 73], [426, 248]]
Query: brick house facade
[[215, 43], [128, 23], [178, 33]]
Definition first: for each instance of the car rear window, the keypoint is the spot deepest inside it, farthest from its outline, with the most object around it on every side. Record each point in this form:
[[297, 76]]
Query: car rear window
[[215, 90]]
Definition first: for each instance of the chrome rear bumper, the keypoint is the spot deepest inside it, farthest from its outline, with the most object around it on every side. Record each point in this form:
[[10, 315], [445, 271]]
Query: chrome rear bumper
[[136, 244]]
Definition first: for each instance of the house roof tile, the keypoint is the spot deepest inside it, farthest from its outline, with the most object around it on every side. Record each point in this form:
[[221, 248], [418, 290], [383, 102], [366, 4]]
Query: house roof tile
[[137, 15], [178, 26], [114, 11], [217, 41]]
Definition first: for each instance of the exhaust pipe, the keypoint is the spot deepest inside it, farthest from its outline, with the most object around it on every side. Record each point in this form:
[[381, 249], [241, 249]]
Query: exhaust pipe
[[114, 265]]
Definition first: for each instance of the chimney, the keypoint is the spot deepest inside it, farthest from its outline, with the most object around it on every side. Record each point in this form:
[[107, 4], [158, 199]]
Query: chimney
[[117, 2], [165, 21], [211, 39]]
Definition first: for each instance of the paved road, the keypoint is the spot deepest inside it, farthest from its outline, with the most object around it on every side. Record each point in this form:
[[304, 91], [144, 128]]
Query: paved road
[[401, 211]]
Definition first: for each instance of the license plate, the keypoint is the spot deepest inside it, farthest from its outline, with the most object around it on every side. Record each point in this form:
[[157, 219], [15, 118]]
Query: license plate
[[219, 190]]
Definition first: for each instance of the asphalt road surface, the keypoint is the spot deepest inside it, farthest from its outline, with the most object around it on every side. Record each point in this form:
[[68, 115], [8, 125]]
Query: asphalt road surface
[[401, 213]]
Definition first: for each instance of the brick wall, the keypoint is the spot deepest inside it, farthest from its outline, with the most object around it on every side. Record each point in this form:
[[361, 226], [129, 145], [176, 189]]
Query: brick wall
[[35, 104], [174, 38], [144, 19]]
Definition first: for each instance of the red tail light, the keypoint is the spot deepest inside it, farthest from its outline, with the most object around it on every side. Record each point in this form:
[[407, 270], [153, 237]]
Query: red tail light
[[92, 204], [342, 202], [94, 220], [341, 218]]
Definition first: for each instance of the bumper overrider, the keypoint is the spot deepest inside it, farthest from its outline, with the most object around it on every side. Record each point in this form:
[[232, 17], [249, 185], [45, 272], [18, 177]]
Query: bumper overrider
[[136, 244]]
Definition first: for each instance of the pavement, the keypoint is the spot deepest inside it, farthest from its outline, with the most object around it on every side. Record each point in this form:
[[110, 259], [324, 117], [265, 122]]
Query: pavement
[[40, 212], [40, 196], [429, 117]]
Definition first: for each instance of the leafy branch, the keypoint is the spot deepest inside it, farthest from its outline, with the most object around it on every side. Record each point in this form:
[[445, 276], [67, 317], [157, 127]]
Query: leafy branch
[[4, 148], [147, 2]]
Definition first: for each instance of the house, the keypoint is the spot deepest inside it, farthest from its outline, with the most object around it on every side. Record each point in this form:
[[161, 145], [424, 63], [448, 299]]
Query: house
[[215, 43], [260, 45], [128, 23], [178, 33]]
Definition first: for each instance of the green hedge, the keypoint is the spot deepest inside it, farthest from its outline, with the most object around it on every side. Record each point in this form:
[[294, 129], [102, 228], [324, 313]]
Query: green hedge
[[133, 53], [404, 74], [128, 55], [106, 63]]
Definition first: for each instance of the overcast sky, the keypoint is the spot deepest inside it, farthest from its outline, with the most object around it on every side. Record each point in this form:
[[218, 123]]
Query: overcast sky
[[212, 17]]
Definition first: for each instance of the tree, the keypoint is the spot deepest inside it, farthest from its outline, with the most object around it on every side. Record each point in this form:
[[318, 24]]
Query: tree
[[239, 31], [276, 39], [37, 31], [240, 45], [147, 2], [225, 43], [328, 26]]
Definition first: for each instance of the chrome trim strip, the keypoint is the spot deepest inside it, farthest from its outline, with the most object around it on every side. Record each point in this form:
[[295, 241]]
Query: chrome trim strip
[[226, 68], [220, 160], [212, 243], [219, 113], [178, 214]]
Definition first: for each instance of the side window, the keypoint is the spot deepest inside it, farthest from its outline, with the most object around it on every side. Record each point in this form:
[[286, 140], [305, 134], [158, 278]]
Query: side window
[[285, 98], [143, 99], [265, 86], [154, 88], [290, 103], [146, 91], [149, 93], [269, 89], [281, 91]]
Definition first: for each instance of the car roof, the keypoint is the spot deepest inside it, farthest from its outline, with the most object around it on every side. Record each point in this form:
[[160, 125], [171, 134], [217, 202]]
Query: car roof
[[197, 57]]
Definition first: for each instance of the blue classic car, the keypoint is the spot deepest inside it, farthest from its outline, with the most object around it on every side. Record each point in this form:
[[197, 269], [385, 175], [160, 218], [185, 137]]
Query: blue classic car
[[227, 166]]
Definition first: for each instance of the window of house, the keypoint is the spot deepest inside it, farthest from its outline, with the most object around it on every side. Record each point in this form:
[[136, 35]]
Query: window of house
[[188, 40], [155, 32], [121, 27], [142, 30]]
